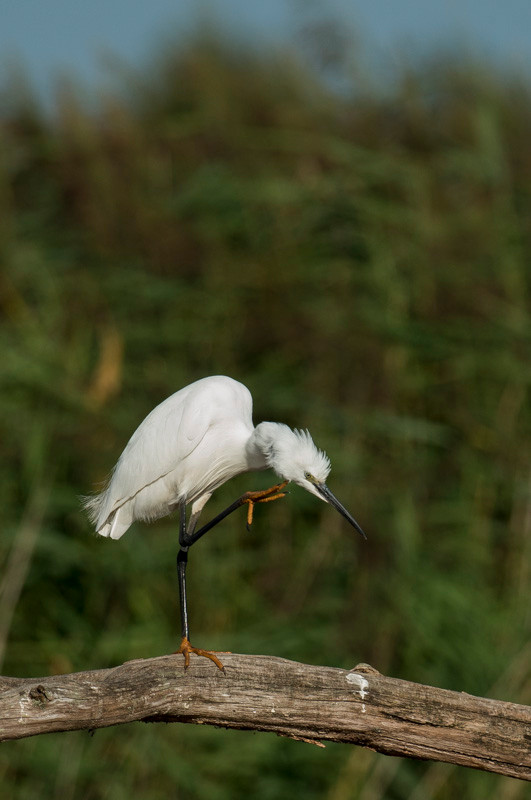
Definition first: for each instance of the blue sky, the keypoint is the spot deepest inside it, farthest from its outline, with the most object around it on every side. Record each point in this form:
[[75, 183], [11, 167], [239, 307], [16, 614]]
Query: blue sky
[[77, 36]]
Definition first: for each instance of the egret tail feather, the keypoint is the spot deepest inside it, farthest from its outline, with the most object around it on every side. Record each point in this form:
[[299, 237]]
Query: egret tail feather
[[114, 525]]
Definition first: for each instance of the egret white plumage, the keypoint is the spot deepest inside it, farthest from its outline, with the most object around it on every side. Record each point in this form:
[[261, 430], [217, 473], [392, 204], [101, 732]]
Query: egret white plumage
[[188, 446]]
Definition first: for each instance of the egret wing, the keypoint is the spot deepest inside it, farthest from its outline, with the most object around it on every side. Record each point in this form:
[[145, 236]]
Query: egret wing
[[167, 436]]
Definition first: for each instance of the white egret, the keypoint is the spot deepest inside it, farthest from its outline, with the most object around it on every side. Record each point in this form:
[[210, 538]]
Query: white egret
[[187, 447]]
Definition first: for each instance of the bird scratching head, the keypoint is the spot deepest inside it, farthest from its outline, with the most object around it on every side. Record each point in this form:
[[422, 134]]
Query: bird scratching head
[[294, 457]]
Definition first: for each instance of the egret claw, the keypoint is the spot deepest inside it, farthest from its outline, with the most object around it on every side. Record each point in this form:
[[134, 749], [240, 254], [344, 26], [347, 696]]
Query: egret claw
[[186, 648], [262, 496]]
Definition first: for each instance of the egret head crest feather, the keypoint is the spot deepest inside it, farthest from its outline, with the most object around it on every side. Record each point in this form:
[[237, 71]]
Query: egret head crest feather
[[293, 454]]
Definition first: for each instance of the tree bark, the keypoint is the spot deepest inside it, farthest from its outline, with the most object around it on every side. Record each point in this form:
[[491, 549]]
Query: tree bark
[[263, 693]]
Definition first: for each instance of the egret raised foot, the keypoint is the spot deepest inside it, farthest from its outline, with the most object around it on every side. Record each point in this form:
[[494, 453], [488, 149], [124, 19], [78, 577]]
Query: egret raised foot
[[262, 496], [186, 448]]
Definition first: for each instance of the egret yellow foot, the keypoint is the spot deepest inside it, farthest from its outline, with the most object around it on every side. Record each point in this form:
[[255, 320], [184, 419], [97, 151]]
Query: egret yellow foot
[[263, 496], [186, 648]]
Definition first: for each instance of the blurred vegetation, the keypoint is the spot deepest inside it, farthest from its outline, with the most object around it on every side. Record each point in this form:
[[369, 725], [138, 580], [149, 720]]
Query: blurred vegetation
[[363, 266]]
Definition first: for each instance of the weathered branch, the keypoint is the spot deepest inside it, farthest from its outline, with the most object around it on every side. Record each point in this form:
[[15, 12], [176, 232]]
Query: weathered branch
[[261, 693]]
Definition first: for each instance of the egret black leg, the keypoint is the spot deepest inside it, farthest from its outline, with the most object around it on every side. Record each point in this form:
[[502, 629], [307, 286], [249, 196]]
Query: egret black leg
[[182, 561], [188, 537]]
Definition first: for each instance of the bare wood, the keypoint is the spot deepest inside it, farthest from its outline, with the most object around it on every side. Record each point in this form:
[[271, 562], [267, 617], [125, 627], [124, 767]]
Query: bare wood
[[262, 693]]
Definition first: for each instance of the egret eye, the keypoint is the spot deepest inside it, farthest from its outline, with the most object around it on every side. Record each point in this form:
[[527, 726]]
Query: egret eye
[[309, 476]]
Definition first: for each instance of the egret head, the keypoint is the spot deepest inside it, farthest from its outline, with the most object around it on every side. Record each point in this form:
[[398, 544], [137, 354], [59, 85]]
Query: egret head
[[293, 456]]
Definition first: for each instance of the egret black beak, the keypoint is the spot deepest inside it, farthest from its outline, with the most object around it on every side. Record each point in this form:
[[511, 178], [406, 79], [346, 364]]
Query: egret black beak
[[327, 495]]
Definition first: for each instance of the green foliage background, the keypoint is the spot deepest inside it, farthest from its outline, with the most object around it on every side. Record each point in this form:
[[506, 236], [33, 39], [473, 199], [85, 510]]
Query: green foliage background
[[363, 266]]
